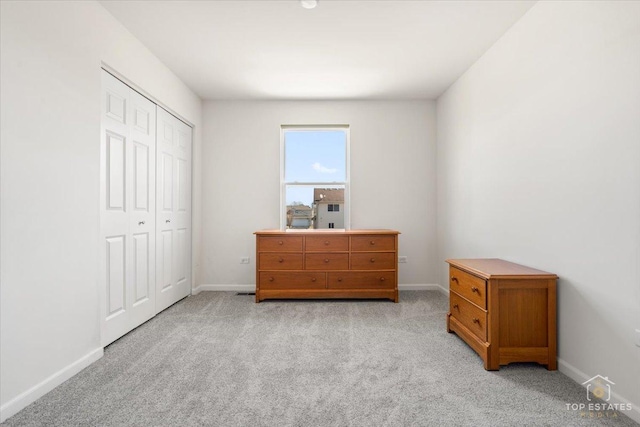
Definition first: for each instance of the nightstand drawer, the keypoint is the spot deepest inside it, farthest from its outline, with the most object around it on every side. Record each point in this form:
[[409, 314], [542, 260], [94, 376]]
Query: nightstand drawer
[[370, 243], [280, 261], [469, 315], [362, 280], [373, 261], [326, 244], [297, 280], [327, 261], [280, 244], [471, 287]]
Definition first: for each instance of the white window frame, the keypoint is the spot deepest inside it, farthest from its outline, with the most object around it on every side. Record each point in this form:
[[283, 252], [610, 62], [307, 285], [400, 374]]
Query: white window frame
[[346, 183]]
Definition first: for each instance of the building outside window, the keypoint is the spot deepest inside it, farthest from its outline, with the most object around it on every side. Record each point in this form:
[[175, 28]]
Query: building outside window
[[326, 207]]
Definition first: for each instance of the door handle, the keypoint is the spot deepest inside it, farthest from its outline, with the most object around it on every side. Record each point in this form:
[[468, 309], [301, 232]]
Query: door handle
[[168, 221], [141, 223]]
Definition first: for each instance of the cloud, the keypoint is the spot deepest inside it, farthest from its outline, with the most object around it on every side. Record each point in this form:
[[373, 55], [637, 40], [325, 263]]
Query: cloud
[[322, 169]]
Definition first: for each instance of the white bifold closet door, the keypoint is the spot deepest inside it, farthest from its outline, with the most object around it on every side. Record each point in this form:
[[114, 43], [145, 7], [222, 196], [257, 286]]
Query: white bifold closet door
[[145, 209], [127, 208], [173, 217]]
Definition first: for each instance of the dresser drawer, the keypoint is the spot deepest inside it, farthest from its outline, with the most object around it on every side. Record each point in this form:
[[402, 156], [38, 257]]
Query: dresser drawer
[[326, 244], [280, 261], [368, 243], [471, 287], [362, 280], [469, 315], [327, 261], [373, 261], [297, 280], [280, 244]]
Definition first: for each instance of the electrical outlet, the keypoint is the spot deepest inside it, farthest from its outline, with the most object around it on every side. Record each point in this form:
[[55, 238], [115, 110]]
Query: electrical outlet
[[402, 259], [638, 337], [244, 260]]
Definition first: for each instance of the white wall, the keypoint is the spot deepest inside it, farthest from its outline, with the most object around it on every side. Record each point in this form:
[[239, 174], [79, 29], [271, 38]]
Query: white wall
[[539, 163], [392, 178], [50, 114]]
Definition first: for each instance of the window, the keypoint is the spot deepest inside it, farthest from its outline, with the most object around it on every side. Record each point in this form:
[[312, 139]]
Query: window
[[314, 177]]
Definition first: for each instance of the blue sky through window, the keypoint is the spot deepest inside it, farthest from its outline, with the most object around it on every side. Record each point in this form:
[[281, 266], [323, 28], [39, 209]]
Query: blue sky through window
[[313, 156]]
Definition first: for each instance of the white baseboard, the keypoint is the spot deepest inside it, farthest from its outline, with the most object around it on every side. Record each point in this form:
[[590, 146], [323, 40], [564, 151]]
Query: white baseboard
[[233, 288], [252, 288], [23, 400], [580, 377], [423, 287]]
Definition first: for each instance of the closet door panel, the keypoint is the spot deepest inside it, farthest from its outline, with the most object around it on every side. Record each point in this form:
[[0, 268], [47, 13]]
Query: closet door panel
[[142, 265], [142, 216], [127, 209], [116, 280], [174, 209], [116, 173], [141, 176]]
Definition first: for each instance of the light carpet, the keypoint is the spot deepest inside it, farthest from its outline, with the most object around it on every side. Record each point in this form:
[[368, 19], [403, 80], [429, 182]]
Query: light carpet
[[219, 359]]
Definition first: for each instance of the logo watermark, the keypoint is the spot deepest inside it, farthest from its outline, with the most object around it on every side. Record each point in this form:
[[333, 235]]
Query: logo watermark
[[598, 397]]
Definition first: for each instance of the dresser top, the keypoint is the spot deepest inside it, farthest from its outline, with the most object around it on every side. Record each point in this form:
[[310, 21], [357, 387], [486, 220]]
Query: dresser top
[[324, 231], [493, 268]]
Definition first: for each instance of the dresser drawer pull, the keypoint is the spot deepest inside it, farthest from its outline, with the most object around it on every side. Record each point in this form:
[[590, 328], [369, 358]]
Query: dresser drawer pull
[[280, 242], [474, 289], [454, 279], [373, 242], [476, 320], [455, 305], [271, 279], [313, 279], [339, 279], [281, 260], [372, 260], [326, 242], [382, 279], [326, 260]]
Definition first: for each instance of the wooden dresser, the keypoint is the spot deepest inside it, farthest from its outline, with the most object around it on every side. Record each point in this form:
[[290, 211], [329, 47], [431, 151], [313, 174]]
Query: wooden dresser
[[506, 312], [327, 264]]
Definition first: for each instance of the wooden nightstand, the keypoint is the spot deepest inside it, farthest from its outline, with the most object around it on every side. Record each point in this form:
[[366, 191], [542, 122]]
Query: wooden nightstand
[[506, 312]]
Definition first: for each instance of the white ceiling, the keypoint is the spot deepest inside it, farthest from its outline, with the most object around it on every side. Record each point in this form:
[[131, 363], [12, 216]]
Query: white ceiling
[[275, 49]]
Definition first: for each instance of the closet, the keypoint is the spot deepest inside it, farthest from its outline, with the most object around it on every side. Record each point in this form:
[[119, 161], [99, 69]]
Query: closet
[[145, 209]]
